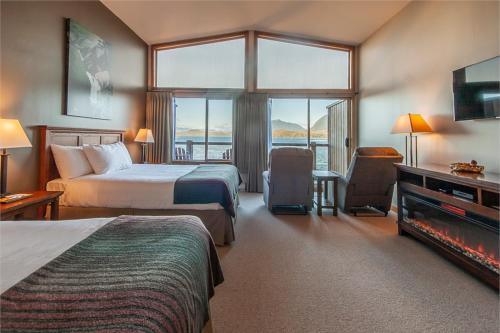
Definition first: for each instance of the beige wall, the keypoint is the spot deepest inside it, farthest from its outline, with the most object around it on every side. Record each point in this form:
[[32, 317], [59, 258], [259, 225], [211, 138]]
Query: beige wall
[[406, 67], [32, 74]]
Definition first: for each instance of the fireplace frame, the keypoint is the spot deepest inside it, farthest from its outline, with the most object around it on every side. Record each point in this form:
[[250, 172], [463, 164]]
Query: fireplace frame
[[437, 183]]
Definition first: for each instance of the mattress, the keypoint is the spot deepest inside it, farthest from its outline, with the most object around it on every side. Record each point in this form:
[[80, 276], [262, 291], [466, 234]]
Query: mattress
[[143, 186], [26, 246]]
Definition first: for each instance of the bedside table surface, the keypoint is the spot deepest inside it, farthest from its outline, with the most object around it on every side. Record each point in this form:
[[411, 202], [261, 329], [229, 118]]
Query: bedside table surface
[[36, 198]]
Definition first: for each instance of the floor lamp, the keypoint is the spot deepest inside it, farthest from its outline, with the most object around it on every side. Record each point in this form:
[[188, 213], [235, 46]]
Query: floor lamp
[[11, 136], [144, 136], [411, 124]]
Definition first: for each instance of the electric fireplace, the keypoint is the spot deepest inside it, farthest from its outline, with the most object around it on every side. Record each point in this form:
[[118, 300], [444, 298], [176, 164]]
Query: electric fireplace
[[455, 214], [476, 239]]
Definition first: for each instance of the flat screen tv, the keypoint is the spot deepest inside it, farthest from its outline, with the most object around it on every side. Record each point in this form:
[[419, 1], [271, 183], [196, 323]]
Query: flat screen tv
[[476, 90]]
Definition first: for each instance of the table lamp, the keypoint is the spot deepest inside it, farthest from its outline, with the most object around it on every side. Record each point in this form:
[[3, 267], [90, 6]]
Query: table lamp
[[411, 124], [12, 135], [144, 136]]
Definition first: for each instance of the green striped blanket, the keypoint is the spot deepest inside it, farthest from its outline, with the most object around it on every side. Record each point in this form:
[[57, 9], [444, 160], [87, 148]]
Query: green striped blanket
[[135, 274]]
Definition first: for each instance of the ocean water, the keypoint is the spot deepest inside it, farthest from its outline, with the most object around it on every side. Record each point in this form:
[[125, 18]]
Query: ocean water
[[216, 151]]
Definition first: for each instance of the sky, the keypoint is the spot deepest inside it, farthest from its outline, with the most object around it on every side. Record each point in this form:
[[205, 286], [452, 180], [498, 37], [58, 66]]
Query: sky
[[190, 113]]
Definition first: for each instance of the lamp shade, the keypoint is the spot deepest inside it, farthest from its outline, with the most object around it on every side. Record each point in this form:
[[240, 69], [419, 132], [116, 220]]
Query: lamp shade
[[411, 123], [145, 135], [12, 134]]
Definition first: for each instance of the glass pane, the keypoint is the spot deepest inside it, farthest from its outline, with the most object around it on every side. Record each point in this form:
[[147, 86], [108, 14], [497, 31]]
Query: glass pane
[[190, 128], [289, 122], [284, 65], [214, 65], [220, 129], [322, 158], [319, 130]]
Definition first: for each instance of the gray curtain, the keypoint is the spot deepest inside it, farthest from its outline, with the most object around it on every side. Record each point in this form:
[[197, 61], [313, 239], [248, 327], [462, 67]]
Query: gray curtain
[[160, 119], [250, 147]]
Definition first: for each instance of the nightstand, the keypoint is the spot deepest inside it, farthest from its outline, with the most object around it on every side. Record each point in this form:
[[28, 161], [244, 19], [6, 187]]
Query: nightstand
[[39, 199]]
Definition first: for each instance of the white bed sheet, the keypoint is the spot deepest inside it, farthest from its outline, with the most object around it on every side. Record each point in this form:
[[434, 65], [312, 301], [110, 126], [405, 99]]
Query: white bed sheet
[[26, 246], [143, 186]]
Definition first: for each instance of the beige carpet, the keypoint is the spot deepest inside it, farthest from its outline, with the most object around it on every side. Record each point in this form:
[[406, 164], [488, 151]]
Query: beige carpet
[[345, 274]]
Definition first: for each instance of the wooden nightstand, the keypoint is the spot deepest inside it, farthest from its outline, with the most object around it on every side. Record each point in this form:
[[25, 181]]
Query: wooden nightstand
[[14, 210]]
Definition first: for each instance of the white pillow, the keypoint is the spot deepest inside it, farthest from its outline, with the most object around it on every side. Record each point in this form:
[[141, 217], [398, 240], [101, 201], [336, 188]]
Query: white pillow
[[71, 162], [127, 159], [107, 158]]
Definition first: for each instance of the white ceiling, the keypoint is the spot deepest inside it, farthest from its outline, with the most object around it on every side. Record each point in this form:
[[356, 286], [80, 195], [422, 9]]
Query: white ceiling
[[341, 21]]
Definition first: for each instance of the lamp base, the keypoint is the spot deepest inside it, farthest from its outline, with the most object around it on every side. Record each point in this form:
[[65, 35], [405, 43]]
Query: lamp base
[[409, 141], [3, 175], [143, 155]]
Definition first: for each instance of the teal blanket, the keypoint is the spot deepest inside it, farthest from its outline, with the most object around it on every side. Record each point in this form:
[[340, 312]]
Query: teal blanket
[[209, 183]]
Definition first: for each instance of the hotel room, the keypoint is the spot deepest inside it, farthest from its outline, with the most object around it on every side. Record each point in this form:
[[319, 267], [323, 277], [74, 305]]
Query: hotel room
[[249, 166]]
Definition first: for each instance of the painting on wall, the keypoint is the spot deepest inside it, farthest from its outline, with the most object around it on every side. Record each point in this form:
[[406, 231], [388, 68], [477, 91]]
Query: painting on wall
[[89, 88]]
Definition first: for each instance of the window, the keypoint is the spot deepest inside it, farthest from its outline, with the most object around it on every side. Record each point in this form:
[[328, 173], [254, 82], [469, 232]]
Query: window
[[288, 64], [213, 63], [203, 129], [302, 122]]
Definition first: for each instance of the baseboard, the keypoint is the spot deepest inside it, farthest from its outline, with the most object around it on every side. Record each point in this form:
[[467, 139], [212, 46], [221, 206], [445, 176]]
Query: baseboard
[[394, 208]]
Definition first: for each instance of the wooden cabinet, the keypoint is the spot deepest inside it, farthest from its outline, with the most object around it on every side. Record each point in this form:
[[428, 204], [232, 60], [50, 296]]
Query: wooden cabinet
[[455, 213]]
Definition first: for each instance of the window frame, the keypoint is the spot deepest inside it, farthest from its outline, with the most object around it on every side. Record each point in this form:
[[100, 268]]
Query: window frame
[[307, 42], [193, 42], [206, 143]]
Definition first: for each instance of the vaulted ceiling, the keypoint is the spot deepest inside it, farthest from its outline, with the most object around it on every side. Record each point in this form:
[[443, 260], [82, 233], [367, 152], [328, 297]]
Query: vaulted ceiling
[[348, 22]]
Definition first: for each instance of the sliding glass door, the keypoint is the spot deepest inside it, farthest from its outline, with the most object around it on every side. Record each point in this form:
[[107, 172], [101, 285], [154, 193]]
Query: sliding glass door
[[304, 122], [203, 129]]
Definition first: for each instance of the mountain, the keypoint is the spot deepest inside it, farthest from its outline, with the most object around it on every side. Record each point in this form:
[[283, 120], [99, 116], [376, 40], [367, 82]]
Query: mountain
[[279, 124], [321, 124]]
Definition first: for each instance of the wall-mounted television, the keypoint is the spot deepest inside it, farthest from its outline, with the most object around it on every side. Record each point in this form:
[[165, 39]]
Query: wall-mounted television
[[476, 90]]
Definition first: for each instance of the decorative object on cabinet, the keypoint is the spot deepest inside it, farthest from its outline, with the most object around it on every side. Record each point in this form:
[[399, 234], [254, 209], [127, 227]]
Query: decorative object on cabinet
[[467, 167]]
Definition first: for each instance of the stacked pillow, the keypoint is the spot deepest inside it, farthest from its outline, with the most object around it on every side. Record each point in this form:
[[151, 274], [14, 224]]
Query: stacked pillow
[[71, 161], [107, 158], [74, 161]]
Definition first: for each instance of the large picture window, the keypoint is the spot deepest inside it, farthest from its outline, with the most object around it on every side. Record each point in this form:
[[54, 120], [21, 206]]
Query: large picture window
[[203, 129], [196, 70], [217, 63], [289, 64]]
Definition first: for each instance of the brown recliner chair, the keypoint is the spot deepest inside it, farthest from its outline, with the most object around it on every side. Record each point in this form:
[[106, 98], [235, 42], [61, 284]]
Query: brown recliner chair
[[370, 179]]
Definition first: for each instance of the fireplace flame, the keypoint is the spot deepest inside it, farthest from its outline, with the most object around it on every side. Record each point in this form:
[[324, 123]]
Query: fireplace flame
[[478, 254]]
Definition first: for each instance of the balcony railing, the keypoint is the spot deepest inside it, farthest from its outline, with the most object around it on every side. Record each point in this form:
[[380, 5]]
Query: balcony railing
[[187, 153]]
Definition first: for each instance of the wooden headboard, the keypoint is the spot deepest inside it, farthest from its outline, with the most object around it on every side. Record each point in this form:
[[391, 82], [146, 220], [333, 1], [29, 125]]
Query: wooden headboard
[[65, 136]]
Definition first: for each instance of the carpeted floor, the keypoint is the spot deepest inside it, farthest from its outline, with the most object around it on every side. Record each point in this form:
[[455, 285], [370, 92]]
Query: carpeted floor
[[345, 274]]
